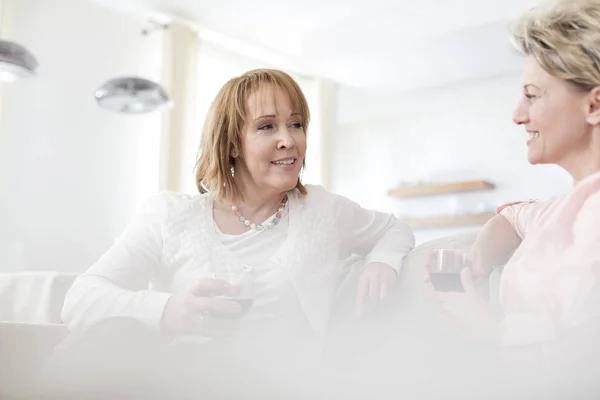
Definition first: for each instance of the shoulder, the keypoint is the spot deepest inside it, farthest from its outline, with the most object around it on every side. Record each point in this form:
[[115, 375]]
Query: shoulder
[[321, 197], [523, 215], [168, 203], [316, 191], [315, 194], [588, 218], [524, 208]]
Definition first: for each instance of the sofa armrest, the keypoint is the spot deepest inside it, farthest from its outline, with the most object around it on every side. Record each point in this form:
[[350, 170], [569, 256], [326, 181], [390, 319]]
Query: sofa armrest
[[24, 350], [33, 296]]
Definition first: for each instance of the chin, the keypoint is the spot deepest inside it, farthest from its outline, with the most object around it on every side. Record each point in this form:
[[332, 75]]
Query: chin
[[291, 186], [286, 186], [534, 158]]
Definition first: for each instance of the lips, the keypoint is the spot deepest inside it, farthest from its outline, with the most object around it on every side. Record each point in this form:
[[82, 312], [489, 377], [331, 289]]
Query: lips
[[284, 161], [533, 134]]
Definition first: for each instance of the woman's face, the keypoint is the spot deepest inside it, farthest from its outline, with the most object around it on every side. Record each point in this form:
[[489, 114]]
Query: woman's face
[[554, 114], [273, 142]]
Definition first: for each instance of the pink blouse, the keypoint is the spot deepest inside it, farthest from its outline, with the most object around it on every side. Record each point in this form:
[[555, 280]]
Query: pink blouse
[[552, 282]]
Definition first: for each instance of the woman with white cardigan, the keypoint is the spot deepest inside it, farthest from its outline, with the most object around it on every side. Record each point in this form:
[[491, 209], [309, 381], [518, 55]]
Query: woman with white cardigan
[[252, 213]]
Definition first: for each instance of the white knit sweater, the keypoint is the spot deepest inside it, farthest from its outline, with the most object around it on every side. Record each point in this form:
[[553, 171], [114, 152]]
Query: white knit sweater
[[172, 241]]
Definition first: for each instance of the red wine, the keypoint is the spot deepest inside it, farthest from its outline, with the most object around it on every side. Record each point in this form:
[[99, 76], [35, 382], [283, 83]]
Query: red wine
[[244, 302], [446, 281]]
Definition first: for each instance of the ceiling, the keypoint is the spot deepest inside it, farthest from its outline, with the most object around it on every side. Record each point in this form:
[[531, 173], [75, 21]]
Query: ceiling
[[383, 45]]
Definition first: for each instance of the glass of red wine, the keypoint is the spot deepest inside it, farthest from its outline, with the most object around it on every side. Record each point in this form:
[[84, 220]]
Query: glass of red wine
[[241, 282], [444, 269]]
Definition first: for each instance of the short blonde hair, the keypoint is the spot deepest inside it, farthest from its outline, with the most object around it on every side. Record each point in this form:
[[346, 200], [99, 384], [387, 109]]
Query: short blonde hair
[[564, 38], [222, 132]]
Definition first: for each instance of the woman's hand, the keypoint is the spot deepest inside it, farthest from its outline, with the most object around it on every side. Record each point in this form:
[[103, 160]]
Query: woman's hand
[[195, 309], [469, 310], [375, 283]]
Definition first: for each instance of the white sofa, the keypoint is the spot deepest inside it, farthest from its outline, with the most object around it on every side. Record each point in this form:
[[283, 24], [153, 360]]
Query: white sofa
[[30, 325], [31, 302]]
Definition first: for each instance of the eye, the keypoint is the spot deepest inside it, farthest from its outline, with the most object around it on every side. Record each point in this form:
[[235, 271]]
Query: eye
[[296, 125], [530, 96], [265, 127]]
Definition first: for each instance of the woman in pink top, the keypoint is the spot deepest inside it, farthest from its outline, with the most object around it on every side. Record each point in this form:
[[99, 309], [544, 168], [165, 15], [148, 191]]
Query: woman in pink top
[[550, 285]]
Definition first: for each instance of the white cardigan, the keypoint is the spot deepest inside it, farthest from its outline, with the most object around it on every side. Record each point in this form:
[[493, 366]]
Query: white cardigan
[[172, 241]]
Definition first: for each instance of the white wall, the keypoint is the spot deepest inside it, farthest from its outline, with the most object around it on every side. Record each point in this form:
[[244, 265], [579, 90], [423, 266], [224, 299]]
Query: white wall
[[459, 132], [71, 174]]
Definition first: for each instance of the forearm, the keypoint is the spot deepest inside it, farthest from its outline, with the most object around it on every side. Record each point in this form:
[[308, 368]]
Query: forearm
[[393, 245], [92, 298], [494, 245]]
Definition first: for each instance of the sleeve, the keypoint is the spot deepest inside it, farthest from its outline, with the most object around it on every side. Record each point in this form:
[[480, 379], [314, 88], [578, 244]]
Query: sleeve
[[378, 236], [117, 284], [520, 215], [571, 295]]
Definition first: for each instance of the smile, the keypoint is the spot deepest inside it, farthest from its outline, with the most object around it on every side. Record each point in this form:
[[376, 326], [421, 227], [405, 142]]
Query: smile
[[289, 161]]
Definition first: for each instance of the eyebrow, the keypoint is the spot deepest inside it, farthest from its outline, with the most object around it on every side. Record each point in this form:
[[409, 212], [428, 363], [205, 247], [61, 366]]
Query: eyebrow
[[531, 85], [274, 116]]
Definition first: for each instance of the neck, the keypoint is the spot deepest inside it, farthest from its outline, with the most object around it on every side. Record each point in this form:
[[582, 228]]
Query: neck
[[585, 162], [257, 203]]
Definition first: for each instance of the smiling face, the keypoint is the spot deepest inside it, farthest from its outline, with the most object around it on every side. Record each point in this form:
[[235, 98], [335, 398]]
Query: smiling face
[[554, 114], [273, 143]]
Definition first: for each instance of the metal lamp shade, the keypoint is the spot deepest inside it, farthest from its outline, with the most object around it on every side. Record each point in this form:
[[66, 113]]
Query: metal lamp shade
[[132, 96], [16, 62]]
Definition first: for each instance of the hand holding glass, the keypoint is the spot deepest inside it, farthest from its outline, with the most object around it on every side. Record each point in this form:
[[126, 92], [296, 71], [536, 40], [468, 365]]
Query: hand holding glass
[[241, 292], [444, 269]]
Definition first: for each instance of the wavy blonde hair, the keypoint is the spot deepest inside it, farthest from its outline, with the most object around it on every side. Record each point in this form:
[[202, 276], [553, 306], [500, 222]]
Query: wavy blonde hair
[[222, 132], [564, 38]]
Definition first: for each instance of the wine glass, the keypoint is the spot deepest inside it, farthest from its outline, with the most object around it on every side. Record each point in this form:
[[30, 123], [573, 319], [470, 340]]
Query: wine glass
[[444, 269], [241, 281]]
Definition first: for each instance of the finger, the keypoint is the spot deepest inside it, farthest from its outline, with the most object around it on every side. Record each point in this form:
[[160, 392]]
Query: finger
[[386, 288], [210, 326], [210, 287], [214, 306], [451, 318], [192, 322], [429, 291], [234, 290], [374, 291], [430, 260], [466, 278], [448, 297], [427, 277], [362, 293], [220, 326], [477, 268]]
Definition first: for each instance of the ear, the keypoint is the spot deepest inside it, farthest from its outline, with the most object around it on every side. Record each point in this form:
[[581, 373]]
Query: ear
[[235, 153], [593, 109]]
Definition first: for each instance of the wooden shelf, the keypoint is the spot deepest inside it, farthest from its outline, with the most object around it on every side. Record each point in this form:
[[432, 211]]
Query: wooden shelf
[[440, 188], [449, 221]]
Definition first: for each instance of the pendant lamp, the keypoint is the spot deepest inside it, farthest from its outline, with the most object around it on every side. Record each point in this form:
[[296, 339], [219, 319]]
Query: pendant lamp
[[132, 95]]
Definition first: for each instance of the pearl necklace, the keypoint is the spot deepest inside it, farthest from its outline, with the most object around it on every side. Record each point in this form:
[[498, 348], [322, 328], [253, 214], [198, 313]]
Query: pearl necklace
[[272, 221]]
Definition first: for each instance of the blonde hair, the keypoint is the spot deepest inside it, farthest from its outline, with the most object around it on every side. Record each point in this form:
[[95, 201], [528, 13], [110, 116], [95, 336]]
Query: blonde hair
[[221, 135], [564, 38]]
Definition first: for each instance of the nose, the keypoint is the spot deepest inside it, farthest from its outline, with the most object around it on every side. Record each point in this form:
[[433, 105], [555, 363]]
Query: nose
[[521, 113], [286, 140]]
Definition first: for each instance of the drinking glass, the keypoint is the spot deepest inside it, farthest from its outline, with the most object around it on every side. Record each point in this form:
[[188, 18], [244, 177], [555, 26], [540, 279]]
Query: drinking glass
[[242, 282], [444, 269]]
